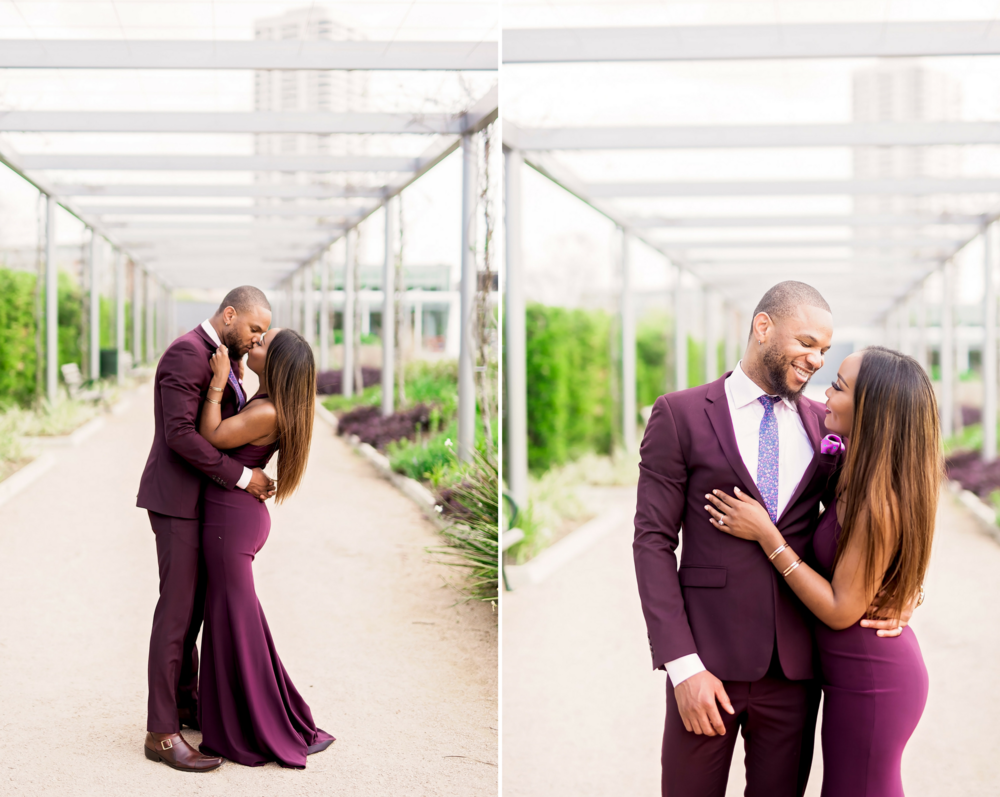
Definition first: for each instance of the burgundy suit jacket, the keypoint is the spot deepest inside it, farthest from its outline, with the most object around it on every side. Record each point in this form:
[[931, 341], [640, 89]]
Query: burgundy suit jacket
[[180, 458], [726, 602]]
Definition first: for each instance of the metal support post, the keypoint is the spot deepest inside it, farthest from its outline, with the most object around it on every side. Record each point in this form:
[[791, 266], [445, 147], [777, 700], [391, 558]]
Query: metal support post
[[921, 352], [680, 336], [947, 352], [309, 304], [989, 344], [94, 251], [324, 311], [389, 311], [732, 338], [347, 381], [136, 314], [516, 395], [629, 402], [711, 307], [120, 314], [467, 289], [51, 304], [150, 318]]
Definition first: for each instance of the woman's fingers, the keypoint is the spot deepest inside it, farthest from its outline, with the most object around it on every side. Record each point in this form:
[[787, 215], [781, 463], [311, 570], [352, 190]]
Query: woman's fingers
[[721, 500]]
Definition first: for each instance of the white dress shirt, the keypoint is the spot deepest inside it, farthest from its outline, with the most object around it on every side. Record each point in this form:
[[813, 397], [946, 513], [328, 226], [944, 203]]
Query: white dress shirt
[[795, 452], [210, 331]]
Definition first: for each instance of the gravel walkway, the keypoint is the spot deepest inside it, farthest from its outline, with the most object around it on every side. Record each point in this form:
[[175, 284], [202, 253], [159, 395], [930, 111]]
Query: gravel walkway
[[583, 712], [366, 625]]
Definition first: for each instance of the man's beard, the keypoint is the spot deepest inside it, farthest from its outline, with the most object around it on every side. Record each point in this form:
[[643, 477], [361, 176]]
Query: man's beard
[[232, 341], [776, 367]]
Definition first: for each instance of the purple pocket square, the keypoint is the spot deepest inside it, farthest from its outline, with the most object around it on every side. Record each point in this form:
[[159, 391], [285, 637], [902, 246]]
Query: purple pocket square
[[831, 444]]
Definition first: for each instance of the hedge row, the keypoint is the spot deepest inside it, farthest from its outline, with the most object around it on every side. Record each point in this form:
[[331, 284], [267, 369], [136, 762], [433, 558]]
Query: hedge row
[[573, 375], [18, 361]]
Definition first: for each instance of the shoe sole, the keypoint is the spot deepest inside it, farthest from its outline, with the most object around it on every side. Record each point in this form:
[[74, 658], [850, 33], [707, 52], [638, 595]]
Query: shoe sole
[[152, 755]]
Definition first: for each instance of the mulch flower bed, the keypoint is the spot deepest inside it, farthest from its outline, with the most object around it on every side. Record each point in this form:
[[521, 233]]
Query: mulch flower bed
[[370, 427], [330, 383], [968, 468]]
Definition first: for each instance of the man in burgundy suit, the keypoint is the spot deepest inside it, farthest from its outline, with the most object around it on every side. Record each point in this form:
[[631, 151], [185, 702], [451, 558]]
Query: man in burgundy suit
[[724, 626], [170, 490]]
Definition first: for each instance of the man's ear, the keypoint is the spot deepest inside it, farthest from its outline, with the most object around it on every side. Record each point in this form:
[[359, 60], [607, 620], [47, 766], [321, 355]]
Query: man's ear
[[229, 315]]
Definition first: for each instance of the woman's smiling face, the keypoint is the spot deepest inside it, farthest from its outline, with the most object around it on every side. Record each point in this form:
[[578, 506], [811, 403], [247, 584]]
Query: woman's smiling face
[[258, 354], [840, 396]]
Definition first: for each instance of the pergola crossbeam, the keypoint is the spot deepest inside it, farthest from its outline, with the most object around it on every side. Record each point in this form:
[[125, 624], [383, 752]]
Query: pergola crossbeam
[[874, 220], [220, 163], [917, 186], [313, 55], [858, 134], [315, 122], [751, 42]]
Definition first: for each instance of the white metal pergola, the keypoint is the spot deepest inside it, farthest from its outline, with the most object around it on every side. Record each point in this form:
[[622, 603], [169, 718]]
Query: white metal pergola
[[279, 244], [724, 252]]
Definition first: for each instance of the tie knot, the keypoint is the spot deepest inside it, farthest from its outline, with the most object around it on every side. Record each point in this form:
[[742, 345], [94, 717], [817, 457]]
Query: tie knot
[[769, 402]]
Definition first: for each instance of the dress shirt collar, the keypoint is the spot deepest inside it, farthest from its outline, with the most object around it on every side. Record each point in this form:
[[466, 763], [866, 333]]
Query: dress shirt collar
[[745, 391], [210, 331]]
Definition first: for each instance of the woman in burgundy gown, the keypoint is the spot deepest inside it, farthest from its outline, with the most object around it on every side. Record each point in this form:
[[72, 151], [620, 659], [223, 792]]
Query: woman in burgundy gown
[[871, 548], [249, 710]]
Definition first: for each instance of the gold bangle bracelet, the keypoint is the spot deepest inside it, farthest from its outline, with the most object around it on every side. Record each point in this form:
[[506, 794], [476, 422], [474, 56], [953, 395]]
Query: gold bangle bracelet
[[791, 567], [212, 387], [778, 550], [212, 401]]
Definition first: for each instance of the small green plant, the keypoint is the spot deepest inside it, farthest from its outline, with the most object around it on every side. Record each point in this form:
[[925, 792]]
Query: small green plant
[[12, 453], [337, 403], [472, 539], [59, 418], [969, 438]]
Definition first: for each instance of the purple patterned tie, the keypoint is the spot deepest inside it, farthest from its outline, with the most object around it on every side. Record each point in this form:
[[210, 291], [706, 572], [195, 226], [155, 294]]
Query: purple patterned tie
[[235, 384], [767, 457]]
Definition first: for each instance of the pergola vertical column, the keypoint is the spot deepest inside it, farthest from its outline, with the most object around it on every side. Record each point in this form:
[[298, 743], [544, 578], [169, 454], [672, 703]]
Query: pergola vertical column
[[136, 314], [921, 352], [947, 352], [324, 311], [418, 326], [347, 380], [51, 304], [680, 336], [150, 318], [989, 344], [627, 305], [467, 293], [120, 314], [732, 337], [515, 349], [309, 304], [389, 311], [711, 306], [904, 326], [93, 266]]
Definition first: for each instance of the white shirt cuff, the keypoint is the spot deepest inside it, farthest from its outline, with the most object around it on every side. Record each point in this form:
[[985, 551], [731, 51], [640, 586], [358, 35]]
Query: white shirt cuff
[[683, 668], [245, 481]]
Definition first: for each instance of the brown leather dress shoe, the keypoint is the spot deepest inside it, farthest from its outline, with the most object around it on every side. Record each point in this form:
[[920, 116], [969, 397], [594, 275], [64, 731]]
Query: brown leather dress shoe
[[174, 751]]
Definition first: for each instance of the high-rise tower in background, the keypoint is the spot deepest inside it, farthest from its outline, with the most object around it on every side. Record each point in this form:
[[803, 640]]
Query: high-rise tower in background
[[303, 90], [903, 91]]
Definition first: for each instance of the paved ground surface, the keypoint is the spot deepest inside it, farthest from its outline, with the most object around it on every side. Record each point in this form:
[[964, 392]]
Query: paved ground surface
[[583, 712], [365, 624]]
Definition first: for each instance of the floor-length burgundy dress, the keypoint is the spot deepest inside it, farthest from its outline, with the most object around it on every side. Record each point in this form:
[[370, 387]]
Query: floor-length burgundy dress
[[249, 710], [874, 691]]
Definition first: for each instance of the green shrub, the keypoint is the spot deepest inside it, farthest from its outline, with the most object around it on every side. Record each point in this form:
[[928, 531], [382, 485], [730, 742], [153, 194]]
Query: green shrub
[[569, 384], [420, 458], [17, 337]]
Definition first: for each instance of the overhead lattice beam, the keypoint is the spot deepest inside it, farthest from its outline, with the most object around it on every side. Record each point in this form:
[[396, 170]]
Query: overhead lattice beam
[[853, 243], [732, 222], [858, 134], [255, 122], [738, 42], [96, 54], [326, 211], [255, 190], [221, 163], [911, 187]]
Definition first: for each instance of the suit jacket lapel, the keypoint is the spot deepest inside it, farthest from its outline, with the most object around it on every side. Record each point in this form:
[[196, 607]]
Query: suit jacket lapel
[[811, 424], [722, 422]]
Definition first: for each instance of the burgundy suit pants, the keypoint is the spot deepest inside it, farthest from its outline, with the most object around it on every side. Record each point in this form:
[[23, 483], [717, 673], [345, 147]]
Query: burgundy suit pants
[[777, 718], [173, 653]]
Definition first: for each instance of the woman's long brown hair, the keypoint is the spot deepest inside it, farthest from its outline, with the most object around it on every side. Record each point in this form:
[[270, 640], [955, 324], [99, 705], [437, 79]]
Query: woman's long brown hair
[[290, 376], [892, 475]]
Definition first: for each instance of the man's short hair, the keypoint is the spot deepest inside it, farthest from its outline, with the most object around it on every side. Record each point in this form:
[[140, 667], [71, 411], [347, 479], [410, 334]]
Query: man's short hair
[[245, 298], [785, 298]]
